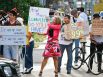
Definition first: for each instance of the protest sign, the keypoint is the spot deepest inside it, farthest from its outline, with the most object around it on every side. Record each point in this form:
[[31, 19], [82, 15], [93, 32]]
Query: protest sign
[[37, 20], [12, 30], [12, 40], [76, 30], [97, 27], [12, 35]]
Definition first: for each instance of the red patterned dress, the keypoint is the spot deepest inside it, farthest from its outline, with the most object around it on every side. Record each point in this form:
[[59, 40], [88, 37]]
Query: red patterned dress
[[52, 47]]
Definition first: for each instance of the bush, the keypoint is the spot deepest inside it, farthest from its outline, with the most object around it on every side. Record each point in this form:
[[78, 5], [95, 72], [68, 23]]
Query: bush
[[23, 7], [38, 39]]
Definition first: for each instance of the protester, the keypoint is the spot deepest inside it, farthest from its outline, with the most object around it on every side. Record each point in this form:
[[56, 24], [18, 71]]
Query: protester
[[74, 19], [52, 47], [96, 45], [10, 50], [84, 16], [28, 54], [20, 19], [65, 43]]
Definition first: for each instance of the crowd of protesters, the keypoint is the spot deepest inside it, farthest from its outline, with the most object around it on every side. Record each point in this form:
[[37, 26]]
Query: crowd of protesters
[[65, 42], [58, 40], [11, 18]]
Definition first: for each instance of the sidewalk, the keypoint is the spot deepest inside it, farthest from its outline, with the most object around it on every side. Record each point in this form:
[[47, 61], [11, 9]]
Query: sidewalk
[[49, 70]]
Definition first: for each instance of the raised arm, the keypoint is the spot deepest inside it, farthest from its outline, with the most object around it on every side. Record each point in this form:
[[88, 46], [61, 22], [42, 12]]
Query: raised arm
[[54, 26]]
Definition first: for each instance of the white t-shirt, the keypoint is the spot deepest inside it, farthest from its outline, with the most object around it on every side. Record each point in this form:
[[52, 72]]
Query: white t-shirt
[[62, 39], [84, 16], [86, 23]]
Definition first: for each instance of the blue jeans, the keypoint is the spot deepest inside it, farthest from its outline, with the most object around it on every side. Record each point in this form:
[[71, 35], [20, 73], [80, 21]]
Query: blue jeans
[[10, 51], [69, 55], [76, 41], [29, 55]]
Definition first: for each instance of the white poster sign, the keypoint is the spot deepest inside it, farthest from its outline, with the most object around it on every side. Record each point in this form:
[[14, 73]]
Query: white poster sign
[[37, 20], [12, 35], [12, 40], [12, 30]]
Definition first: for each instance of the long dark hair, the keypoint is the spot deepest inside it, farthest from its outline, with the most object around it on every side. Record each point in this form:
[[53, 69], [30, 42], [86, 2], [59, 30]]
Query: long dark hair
[[51, 32]]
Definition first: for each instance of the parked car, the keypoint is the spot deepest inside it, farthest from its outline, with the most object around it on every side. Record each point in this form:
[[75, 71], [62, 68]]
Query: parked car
[[9, 68]]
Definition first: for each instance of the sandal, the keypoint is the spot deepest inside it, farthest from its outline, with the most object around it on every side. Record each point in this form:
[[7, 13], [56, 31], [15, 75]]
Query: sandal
[[56, 74], [40, 73]]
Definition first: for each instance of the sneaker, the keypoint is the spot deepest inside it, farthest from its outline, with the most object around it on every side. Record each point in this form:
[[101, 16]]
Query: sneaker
[[68, 72], [28, 71], [76, 64]]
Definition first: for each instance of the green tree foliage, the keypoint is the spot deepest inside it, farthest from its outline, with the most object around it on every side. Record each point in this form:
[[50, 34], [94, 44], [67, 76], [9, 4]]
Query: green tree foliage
[[6, 5], [23, 7]]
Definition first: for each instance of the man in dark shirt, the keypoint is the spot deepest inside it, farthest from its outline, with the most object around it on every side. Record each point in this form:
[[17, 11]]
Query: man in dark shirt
[[10, 50]]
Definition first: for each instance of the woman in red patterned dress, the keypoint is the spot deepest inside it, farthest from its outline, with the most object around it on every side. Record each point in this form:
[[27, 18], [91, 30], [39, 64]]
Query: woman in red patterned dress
[[52, 47]]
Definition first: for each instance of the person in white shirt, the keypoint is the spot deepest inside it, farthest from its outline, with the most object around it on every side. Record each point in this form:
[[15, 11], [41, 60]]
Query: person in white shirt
[[76, 41], [84, 16], [65, 44], [96, 43]]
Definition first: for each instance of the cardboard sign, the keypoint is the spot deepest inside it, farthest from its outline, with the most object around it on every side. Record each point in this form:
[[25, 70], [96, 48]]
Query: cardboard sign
[[97, 27], [12, 35], [76, 30], [37, 20]]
